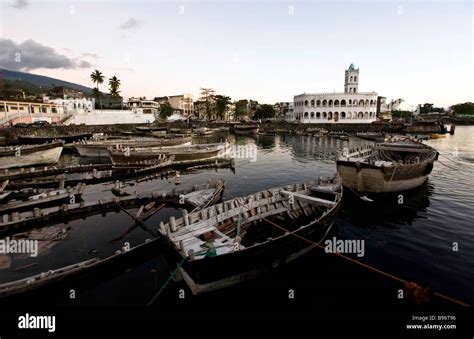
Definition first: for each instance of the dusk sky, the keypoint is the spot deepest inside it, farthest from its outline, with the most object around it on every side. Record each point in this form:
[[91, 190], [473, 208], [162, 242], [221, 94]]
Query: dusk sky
[[268, 51]]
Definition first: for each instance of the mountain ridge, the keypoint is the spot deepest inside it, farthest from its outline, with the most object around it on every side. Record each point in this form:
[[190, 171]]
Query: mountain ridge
[[40, 80]]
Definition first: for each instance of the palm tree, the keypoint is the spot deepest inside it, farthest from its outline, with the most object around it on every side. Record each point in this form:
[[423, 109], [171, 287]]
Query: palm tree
[[97, 78], [114, 85]]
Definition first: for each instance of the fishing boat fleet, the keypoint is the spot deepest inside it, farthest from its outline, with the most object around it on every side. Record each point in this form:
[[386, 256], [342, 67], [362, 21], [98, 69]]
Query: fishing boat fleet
[[214, 244]]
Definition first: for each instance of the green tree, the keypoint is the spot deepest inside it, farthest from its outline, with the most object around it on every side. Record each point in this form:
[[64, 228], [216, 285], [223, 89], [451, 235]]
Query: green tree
[[166, 110], [429, 108], [240, 108], [98, 79], [222, 103], [95, 93], [114, 85], [466, 108], [207, 96], [264, 112]]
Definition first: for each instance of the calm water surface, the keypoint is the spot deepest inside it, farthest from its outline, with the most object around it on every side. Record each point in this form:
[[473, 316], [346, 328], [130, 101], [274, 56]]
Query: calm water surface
[[413, 240]]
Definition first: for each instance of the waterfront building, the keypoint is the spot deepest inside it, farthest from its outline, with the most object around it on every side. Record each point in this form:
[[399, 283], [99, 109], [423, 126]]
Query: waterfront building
[[13, 112], [182, 105], [350, 106], [282, 109], [143, 106], [65, 92], [73, 106]]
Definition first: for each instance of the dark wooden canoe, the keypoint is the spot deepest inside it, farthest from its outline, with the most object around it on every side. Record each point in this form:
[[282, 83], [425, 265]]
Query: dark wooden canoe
[[36, 139], [245, 243]]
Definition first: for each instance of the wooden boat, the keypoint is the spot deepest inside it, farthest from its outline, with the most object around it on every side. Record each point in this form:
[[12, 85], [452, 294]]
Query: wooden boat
[[180, 131], [74, 210], [242, 238], [180, 153], [100, 149], [55, 197], [30, 155], [36, 139], [245, 129], [387, 167], [372, 136], [151, 128], [338, 134], [92, 174], [121, 256], [203, 131], [437, 136]]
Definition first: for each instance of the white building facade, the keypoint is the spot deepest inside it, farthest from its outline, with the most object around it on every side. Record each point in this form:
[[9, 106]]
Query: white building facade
[[74, 106], [351, 106]]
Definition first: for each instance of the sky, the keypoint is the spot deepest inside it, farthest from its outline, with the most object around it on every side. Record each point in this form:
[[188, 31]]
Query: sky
[[420, 51]]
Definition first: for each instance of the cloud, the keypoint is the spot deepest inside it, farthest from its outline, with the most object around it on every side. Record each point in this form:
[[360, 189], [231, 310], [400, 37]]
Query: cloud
[[90, 55], [130, 24], [31, 55], [20, 4]]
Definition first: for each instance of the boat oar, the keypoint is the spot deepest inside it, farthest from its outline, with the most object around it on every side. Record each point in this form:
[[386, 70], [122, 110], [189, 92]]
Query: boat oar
[[134, 225], [139, 222]]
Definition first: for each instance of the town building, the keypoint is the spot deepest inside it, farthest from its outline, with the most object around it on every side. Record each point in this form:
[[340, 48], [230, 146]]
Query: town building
[[65, 92], [143, 106], [282, 109], [182, 105], [73, 106], [350, 106], [13, 112]]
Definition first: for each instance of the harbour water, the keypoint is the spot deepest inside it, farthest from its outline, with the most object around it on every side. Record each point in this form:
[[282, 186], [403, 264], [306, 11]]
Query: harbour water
[[424, 235]]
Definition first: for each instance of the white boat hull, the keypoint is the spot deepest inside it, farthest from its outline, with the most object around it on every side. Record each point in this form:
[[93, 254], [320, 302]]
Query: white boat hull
[[43, 157]]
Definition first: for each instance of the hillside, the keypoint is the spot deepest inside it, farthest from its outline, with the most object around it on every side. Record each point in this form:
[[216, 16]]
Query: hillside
[[33, 83]]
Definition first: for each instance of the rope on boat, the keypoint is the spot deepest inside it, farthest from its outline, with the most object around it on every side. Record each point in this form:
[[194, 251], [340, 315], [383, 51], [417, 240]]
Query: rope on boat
[[364, 198], [420, 294], [393, 173], [167, 281]]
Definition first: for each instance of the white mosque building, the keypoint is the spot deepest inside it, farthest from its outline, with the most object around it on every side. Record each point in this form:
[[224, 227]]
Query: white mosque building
[[351, 106]]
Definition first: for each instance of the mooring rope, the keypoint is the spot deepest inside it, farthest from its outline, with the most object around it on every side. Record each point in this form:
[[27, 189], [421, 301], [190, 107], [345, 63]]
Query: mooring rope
[[455, 169], [167, 281], [408, 284], [456, 161]]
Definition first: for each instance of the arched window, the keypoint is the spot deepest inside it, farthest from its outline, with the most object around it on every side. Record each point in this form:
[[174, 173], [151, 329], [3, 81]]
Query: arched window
[[330, 103], [366, 115], [306, 115], [330, 116], [350, 90], [361, 103], [312, 102], [325, 115], [350, 101], [336, 103], [312, 115], [371, 102], [367, 102], [360, 115], [306, 102], [325, 103], [351, 79], [318, 115], [318, 103], [343, 115], [355, 78], [343, 103]]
